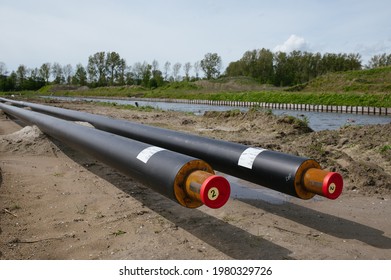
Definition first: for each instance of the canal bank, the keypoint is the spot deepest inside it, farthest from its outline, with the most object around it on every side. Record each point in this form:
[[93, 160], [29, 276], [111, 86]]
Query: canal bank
[[282, 106]]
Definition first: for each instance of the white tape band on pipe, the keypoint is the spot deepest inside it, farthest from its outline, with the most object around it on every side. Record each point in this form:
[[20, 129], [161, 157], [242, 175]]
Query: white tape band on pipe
[[147, 153], [248, 156]]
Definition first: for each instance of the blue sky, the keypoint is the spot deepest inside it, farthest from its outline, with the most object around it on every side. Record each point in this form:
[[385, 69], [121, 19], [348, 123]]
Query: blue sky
[[39, 31]]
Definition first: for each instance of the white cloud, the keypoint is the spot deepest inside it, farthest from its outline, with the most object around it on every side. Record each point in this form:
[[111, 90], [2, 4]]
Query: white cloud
[[294, 42], [378, 47]]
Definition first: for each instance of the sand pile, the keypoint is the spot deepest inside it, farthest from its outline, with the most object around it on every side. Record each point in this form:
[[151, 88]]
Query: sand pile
[[29, 139]]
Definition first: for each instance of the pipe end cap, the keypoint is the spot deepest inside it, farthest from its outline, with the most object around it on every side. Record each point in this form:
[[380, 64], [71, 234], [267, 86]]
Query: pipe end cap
[[332, 185], [215, 191]]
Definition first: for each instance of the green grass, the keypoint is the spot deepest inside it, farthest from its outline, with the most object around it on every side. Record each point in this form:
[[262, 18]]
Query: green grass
[[385, 148], [19, 93], [118, 232], [352, 88], [376, 80], [126, 106], [323, 98]]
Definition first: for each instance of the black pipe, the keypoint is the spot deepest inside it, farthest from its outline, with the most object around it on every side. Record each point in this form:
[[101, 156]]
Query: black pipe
[[184, 179], [297, 176]]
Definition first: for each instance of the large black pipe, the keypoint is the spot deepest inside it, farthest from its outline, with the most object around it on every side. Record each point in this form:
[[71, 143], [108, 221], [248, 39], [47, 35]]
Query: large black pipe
[[184, 179], [297, 176]]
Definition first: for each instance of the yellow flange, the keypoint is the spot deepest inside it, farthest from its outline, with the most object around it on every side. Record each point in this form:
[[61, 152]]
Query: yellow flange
[[189, 200], [300, 188]]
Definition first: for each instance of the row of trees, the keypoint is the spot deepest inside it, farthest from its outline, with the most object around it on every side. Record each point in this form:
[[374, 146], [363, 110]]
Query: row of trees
[[23, 78], [108, 69], [380, 60], [283, 69]]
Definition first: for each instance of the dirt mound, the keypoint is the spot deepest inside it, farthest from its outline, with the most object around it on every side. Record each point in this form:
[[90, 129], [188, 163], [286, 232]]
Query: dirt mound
[[256, 124], [29, 139], [361, 154]]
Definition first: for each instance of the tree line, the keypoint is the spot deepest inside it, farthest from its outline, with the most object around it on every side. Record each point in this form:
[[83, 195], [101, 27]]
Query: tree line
[[288, 69], [110, 69], [379, 60]]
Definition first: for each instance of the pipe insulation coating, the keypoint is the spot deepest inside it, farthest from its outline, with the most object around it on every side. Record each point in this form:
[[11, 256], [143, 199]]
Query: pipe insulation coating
[[166, 172], [297, 176]]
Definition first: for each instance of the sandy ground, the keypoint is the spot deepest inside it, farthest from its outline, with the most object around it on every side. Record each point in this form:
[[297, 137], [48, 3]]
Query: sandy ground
[[57, 203]]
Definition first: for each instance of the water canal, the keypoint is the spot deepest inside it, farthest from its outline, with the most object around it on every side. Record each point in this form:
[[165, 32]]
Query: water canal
[[316, 120]]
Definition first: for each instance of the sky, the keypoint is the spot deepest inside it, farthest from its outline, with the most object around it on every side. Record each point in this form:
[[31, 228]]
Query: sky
[[69, 31]]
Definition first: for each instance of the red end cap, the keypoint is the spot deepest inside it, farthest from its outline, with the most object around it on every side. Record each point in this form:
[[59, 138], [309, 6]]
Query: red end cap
[[215, 191], [332, 185]]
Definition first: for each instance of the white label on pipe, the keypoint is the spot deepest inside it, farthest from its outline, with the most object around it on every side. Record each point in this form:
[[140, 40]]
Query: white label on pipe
[[147, 153], [248, 156]]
